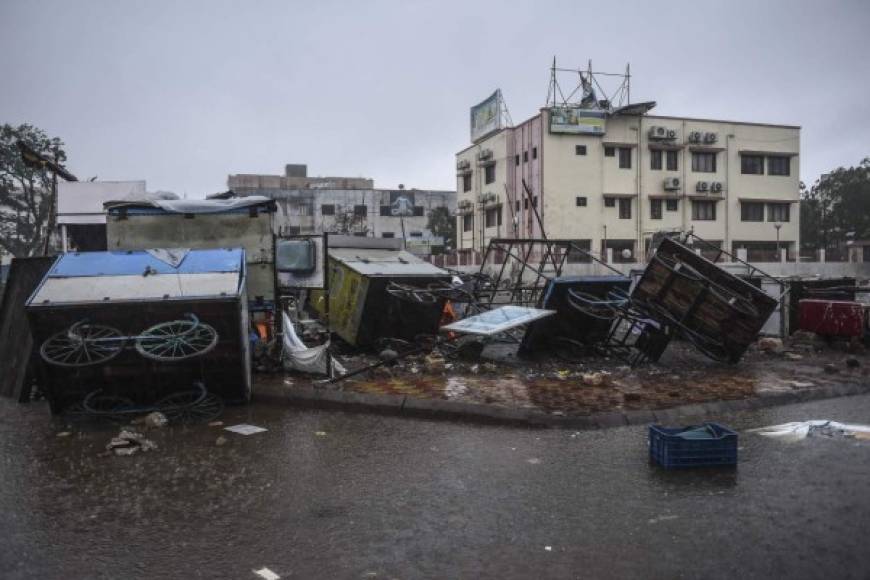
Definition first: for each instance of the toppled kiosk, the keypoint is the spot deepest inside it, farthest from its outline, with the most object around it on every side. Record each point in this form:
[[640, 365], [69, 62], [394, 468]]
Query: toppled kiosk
[[134, 331]]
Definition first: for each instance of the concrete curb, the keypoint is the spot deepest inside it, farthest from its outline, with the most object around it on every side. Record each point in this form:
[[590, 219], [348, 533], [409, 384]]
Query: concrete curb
[[457, 410]]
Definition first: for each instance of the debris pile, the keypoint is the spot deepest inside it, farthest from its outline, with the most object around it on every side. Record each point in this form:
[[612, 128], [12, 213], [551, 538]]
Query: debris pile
[[129, 442]]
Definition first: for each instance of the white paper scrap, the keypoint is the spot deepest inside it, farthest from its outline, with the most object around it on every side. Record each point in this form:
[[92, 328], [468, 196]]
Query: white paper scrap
[[265, 572], [244, 429]]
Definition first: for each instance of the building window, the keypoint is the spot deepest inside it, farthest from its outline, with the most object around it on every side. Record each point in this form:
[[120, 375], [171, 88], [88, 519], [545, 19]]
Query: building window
[[778, 165], [419, 210], [360, 210], [672, 157], [489, 173], [703, 162], [386, 210], [493, 217], [579, 149], [778, 212], [609, 202], [327, 209], [655, 209], [624, 208], [655, 159], [581, 201], [534, 152], [625, 158], [579, 252], [609, 151], [467, 222], [517, 203], [672, 204], [752, 164], [703, 210], [415, 234], [525, 156], [388, 235], [751, 211], [466, 182], [623, 250], [360, 234]]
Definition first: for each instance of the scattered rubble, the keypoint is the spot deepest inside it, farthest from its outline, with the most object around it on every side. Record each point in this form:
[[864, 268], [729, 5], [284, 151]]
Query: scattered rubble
[[156, 420], [129, 442], [770, 345]]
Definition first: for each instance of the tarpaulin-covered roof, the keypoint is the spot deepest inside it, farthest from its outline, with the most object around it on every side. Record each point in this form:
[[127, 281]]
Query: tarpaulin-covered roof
[[190, 206], [84, 277]]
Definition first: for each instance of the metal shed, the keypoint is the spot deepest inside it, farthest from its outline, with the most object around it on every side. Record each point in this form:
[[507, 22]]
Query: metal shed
[[360, 308], [142, 325]]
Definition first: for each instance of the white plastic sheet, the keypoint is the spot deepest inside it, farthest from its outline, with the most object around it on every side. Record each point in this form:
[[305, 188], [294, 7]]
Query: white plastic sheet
[[299, 357], [798, 430]]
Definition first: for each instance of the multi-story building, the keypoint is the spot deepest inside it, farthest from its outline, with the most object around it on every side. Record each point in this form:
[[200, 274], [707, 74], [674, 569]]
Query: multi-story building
[[348, 205], [735, 184]]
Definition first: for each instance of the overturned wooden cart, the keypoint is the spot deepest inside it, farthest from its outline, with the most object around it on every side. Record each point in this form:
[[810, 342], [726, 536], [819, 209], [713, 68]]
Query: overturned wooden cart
[[132, 331]]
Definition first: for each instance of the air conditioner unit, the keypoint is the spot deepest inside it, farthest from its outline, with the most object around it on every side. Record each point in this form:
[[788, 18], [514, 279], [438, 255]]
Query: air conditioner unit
[[485, 154], [672, 183], [464, 204], [658, 132], [486, 198], [710, 137], [716, 186], [701, 186], [695, 137], [672, 134], [463, 164]]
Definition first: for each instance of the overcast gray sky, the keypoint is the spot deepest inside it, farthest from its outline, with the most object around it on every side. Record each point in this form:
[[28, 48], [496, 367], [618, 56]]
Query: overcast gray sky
[[184, 93]]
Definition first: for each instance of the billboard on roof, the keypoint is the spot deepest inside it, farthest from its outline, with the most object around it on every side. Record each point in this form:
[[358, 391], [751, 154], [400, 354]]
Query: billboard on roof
[[486, 116], [576, 120]]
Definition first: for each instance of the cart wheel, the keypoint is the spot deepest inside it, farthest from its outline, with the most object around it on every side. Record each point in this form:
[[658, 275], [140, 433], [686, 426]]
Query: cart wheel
[[97, 403], [191, 406], [176, 340], [82, 345]]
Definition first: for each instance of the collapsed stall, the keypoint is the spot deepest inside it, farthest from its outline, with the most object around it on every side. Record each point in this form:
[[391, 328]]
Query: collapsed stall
[[130, 332]]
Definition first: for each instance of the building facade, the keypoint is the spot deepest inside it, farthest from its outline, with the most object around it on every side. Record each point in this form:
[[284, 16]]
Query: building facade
[[734, 184], [348, 205]]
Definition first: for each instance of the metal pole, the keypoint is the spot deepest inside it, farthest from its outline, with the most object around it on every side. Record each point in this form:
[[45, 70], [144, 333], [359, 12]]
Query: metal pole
[[329, 369]]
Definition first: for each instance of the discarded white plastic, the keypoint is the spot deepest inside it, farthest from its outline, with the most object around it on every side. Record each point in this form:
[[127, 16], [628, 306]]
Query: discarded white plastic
[[266, 574], [299, 357], [244, 429], [799, 430]]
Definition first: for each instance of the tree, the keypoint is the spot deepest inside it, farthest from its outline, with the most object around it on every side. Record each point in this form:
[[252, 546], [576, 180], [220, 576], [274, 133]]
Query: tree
[[441, 223], [837, 207], [26, 192], [347, 221]]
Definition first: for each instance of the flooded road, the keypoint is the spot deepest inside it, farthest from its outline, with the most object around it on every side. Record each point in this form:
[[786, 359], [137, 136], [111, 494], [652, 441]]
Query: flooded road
[[340, 495]]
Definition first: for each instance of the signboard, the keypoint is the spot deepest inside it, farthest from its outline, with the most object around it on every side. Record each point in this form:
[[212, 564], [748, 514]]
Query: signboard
[[577, 121], [486, 116], [402, 203], [498, 320]]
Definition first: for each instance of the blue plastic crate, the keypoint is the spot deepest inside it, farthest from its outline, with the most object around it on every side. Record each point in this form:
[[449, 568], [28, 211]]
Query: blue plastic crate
[[704, 445]]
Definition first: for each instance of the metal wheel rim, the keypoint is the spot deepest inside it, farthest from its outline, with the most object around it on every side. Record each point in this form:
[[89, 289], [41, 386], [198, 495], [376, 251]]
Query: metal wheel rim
[[82, 345], [190, 406], [176, 340]]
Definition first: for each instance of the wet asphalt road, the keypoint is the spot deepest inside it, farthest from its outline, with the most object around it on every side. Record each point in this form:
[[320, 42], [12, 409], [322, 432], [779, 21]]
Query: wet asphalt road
[[383, 497]]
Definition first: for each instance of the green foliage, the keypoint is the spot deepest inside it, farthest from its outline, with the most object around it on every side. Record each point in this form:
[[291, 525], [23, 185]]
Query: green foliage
[[25, 192], [441, 223], [836, 207]]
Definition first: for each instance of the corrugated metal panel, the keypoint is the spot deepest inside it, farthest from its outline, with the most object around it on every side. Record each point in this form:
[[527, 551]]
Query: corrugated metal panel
[[134, 263], [88, 289], [370, 262]]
